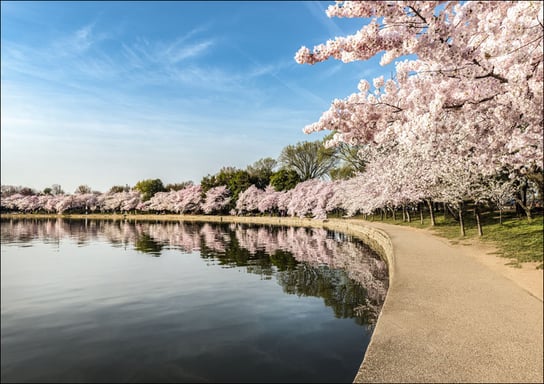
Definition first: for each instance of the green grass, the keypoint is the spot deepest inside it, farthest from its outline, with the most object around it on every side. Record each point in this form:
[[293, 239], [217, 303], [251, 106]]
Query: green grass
[[516, 238]]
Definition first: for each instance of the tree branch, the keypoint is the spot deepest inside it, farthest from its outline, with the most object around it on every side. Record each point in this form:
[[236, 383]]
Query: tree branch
[[461, 105], [493, 75], [418, 14]]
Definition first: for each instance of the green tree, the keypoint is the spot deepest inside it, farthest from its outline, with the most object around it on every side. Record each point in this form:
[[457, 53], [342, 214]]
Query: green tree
[[350, 159], [27, 191], [309, 159], [284, 179], [149, 187], [236, 180], [261, 171], [178, 186], [343, 172]]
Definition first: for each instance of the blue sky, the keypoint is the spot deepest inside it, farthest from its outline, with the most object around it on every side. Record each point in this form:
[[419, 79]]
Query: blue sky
[[110, 93]]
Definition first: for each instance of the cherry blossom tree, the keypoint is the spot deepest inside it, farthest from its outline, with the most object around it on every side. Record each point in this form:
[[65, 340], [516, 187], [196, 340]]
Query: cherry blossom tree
[[64, 203], [310, 198], [112, 201], [248, 200], [500, 192], [130, 201], [269, 200], [283, 201], [188, 199], [217, 199], [302, 200], [50, 203], [161, 202], [473, 91]]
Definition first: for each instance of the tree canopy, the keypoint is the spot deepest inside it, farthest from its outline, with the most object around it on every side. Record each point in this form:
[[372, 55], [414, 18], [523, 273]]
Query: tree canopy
[[310, 159], [467, 107], [149, 187]]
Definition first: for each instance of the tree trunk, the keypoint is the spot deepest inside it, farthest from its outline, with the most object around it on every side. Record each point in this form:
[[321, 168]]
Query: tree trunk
[[521, 200], [478, 222], [403, 213], [500, 215], [445, 211], [461, 222], [381, 214], [431, 212], [454, 215], [394, 216], [408, 215], [420, 207], [525, 208]]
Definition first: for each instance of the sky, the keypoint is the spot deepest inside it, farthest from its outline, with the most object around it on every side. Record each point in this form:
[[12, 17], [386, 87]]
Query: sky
[[111, 93]]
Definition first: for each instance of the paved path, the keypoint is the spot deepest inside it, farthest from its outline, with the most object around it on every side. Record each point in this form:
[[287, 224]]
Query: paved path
[[448, 318]]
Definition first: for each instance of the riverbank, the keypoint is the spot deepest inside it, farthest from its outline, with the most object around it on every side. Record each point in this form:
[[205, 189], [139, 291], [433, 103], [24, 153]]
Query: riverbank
[[450, 314]]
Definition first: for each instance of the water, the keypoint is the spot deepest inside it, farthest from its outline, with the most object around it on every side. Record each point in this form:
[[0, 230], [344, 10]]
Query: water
[[104, 301]]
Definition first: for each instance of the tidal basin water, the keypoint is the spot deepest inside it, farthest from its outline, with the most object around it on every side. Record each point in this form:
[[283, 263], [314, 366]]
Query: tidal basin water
[[117, 301]]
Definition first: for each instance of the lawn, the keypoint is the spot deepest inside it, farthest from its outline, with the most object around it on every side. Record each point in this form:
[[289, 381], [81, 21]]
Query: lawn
[[516, 238]]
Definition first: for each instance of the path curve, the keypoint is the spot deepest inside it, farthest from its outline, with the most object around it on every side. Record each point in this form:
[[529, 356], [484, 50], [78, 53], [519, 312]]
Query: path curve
[[449, 318]]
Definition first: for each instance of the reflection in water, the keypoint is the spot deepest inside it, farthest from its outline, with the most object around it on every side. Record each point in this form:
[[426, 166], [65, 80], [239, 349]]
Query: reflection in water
[[146, 244], [79, 305], [345, 272]]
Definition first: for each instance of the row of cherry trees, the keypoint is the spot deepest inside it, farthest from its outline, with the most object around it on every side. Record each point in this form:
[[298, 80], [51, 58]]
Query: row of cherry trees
[[462, 116], [190, 199], [313, 198], [306, 199]]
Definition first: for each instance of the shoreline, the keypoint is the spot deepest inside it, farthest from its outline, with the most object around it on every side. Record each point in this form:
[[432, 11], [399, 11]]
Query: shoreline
[[526, 276], [376, 239]]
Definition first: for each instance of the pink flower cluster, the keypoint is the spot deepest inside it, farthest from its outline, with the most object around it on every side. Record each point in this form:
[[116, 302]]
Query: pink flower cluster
[[467, 108]]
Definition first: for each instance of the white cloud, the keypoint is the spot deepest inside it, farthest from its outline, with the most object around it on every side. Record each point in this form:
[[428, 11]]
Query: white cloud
[[83, 38], [176, 52], [78, 42]]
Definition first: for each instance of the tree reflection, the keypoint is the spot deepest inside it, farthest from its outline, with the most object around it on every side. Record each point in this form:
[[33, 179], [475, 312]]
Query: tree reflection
[[144, 243], [350, 278], [339, 292]]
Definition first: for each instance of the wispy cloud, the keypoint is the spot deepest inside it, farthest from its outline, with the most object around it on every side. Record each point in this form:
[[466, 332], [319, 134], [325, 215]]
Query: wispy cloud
[[83, 38], [317, 10], [80, 41], [180, 50], [143, 52]]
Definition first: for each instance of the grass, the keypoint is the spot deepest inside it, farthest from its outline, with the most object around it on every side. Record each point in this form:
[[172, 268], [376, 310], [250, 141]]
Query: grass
[[516, 238]]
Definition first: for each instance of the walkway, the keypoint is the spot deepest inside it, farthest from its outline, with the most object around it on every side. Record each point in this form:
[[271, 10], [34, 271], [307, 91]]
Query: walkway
[[449, 318]]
